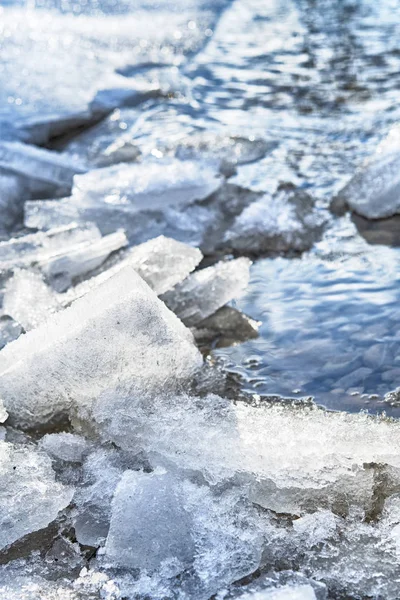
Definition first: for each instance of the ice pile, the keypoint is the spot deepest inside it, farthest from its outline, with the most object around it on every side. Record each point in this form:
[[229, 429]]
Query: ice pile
[[118, 334]]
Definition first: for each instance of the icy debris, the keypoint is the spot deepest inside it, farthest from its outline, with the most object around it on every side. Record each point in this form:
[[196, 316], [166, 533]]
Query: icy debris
[[162, 263], [203, 223], [294, 458], [40, 247], [118, 334], [42, 169], [10, 330], [81, 259], [28, 299], [285, 222], [30, 498], [68, 447], [206, 290], [174, 524]]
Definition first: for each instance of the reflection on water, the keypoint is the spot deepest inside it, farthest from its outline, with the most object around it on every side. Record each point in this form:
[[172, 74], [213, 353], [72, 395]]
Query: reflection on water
[[330, 329]]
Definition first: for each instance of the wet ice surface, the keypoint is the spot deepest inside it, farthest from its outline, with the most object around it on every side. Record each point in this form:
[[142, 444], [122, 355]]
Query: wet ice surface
[[150, 154]]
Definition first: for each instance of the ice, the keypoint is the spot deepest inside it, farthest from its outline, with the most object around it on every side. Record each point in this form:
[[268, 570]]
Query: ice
[[202, 223], [294, 458], [281, 223], [30, 498], [102, 470], [151, 185], [119, 334], [68, 447], [28, 299], [149, 524], [43, 170], [282, 582], [40, 247], [174, 525], [206, 290], [62, 270], [162, 263]]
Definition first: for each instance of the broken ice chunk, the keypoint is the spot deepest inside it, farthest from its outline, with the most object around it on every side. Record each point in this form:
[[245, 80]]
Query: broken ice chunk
[[43, 169], [149, 524], [159, 519], [30, 498], [290, 584], [162, 263], [40, 247], [28, 299], [68, 447], [119, 334], [285, 222], [202, 293], [149, 185], [63, 269]]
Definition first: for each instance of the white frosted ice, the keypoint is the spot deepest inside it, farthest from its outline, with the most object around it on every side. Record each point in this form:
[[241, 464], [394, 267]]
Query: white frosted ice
[[30, 498], [118, 334], [28, 299], [287, 592], [3, 412], [206, 290]]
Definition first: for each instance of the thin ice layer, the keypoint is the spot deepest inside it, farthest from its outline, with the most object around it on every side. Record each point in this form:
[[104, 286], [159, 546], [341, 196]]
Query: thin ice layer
[[119, 334], [30, 498], [205, 291]]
